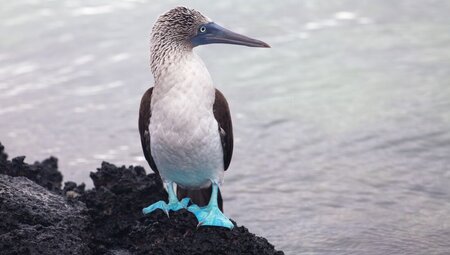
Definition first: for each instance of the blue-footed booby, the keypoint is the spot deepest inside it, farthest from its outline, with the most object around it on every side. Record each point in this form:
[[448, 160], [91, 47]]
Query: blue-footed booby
[[184, 121]]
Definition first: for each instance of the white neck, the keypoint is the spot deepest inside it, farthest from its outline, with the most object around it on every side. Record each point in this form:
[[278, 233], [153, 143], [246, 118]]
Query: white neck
[[186, 73]]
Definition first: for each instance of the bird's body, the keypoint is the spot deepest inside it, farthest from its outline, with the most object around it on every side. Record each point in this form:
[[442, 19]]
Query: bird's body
[[184, 121], [185, 139]]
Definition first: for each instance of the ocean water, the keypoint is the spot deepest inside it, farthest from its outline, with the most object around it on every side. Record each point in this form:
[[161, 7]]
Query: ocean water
[[342, 128]]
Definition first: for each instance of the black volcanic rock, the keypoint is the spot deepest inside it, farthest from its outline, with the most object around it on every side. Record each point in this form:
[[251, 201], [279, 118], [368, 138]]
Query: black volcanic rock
[[104, 220], [115, 204], [44, 173], [37, 221]]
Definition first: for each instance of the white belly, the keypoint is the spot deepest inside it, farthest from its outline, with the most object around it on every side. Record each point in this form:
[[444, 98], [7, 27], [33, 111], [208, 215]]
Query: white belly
[[185, 140], [186, 149]]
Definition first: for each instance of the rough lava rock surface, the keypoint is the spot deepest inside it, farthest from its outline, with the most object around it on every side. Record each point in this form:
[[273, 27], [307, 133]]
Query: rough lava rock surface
[[37, 221], [40, 217]]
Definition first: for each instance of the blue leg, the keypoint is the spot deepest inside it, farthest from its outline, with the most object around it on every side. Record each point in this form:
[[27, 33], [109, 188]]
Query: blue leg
[[173, 205], [211, 215]]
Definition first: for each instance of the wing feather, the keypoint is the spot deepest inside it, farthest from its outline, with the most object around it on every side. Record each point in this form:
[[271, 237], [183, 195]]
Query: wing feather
[[223, 117], [144, 121]]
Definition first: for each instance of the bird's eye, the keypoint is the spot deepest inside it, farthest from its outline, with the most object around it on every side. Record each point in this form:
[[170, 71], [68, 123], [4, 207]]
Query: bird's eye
[[202, 29]]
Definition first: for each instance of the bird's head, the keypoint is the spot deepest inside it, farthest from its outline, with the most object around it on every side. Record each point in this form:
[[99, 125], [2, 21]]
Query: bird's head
[[187, 28]]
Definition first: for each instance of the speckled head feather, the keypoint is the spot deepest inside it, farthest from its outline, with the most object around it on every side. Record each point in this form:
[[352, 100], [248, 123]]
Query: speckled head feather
[[177, 25], [172, 33], [179, 30]]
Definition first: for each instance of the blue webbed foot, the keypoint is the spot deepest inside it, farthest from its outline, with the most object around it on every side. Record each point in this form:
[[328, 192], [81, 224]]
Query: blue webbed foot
[[171, 206], [210, 216], [199, 212]]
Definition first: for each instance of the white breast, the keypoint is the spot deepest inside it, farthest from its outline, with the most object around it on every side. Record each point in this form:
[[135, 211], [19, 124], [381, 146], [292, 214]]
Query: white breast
[[185, 142]]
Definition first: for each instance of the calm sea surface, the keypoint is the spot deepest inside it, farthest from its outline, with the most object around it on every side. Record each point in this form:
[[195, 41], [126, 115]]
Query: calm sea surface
[[342, 129]]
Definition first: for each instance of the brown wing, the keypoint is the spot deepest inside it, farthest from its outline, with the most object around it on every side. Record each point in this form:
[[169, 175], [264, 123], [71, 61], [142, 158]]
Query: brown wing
[[144, 120], [223, 117]]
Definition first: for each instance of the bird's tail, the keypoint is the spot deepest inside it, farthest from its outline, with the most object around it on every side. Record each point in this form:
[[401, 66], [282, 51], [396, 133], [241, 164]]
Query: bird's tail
[[199, 197]]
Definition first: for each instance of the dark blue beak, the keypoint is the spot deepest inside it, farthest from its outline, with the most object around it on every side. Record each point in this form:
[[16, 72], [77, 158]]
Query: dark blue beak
[[213, 33]]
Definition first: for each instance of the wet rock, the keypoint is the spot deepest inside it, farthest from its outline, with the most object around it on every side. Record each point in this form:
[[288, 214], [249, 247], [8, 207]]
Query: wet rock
[[104, 220]]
